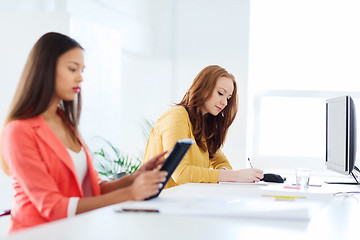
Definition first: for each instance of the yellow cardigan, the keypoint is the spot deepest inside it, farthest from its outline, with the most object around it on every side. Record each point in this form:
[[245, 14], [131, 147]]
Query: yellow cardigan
[[196, 165]]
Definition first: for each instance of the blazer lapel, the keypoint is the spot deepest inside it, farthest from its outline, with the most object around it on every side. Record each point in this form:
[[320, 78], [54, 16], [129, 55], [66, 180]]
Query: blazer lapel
[[48, 136]]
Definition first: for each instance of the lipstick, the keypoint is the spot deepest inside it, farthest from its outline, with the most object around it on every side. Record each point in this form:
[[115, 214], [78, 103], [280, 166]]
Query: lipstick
[[76, 89]]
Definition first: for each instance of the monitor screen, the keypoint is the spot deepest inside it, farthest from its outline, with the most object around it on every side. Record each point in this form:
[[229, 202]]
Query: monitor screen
[[340, 134]]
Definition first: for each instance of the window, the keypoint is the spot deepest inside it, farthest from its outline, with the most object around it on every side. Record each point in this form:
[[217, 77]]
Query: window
[[301, 52]]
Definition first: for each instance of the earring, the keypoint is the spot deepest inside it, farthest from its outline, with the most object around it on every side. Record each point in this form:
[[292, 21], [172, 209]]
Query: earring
[[222, 114]]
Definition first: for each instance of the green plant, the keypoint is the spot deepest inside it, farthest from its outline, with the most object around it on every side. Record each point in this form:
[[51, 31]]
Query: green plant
[[110, 162]]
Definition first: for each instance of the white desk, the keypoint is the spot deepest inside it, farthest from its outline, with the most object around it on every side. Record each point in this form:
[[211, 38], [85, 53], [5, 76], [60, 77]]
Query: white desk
[[337, 219]]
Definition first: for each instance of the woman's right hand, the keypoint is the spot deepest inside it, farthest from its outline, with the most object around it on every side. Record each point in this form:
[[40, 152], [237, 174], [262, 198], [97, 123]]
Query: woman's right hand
[[249, 175], [147, 184]]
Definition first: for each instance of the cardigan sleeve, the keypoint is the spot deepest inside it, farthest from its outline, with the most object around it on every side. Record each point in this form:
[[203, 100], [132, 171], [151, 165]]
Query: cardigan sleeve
[[220, 161], [27, 168], [174, 126]]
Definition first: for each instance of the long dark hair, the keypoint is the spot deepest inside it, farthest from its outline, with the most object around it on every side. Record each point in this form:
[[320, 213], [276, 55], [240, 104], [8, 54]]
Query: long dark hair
[[212, 129], [36, 87]]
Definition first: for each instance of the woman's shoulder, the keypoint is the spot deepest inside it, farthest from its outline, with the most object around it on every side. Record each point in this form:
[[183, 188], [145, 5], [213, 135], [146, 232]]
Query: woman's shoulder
[[176, 111], [22, 125], [174, 115]]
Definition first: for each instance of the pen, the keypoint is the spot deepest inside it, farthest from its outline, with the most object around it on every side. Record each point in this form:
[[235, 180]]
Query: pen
[[139, 210], [250, 163]]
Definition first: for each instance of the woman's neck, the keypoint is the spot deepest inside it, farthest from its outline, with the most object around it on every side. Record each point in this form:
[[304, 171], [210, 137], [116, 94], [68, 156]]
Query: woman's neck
[[51, 111]]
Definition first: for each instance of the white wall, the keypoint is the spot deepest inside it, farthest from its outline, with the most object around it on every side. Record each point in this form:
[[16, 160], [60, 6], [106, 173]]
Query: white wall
[[162, 50], [19, 32], [156, 48], [140, 56], [210, 32], [18, 37], [129, 67]]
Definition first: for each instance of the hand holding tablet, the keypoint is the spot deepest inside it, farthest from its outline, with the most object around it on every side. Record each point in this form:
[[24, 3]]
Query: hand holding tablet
[[173, 160]]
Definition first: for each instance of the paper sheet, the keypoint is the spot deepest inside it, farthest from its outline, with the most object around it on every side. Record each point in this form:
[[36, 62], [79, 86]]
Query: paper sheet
[[210, 200]]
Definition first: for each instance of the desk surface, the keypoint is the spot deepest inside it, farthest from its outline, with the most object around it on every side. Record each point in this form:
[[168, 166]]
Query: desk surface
[[336, 219]]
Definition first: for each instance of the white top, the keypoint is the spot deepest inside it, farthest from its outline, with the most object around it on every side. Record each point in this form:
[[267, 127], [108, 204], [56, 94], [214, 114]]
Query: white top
[[81, 167]]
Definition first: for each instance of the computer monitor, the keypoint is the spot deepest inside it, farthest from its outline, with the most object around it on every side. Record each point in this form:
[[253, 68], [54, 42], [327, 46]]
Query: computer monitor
[[341, 135]]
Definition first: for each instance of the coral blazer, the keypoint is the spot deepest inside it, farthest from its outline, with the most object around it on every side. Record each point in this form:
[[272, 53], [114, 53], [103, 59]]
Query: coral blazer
[[44, 175]]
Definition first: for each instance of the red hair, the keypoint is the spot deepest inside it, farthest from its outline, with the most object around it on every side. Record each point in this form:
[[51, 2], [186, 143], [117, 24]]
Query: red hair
[[209, 130]]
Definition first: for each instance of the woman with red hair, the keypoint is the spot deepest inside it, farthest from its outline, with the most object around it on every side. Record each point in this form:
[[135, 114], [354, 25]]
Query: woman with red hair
[[204, 114]]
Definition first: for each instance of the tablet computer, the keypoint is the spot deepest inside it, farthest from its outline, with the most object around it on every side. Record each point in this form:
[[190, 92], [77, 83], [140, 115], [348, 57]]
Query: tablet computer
[[173, 160]]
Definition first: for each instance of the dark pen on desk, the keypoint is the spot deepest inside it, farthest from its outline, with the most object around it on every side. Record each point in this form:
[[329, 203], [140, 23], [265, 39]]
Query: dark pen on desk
[[138, 210], [250, 163]]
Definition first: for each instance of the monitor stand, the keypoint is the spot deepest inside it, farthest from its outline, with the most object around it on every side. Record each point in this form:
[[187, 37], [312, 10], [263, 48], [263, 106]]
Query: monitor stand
[[349, 183]]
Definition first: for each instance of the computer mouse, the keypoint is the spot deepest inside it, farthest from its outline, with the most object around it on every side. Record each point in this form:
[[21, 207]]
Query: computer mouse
[[272, 177]]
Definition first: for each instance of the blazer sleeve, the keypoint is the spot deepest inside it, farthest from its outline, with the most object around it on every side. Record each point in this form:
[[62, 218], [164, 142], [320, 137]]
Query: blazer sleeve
[[177, 126], [26, 166], [220, 161]]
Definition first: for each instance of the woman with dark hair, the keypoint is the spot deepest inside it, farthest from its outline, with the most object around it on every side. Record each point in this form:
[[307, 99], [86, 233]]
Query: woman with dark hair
[[205, 114], [53, 175]]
